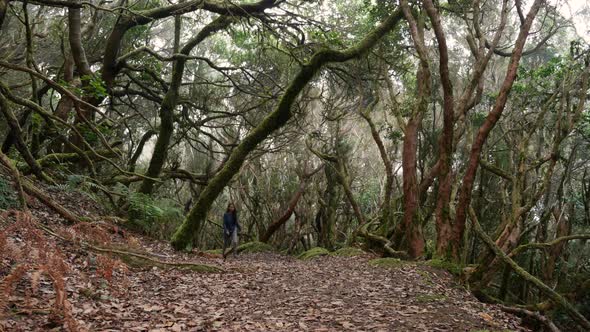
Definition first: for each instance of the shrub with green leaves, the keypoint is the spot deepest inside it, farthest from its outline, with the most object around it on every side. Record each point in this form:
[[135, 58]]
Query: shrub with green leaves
[[158, 218], [8, 199]]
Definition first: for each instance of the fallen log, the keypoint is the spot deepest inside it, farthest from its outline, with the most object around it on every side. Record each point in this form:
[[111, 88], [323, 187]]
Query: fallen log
[[532, 314]]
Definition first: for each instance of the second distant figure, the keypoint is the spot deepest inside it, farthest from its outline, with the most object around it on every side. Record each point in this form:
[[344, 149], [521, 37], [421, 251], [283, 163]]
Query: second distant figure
[[231, 228]]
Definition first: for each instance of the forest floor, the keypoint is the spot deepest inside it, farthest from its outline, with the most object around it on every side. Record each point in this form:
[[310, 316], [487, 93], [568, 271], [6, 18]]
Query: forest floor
[[254, 292]]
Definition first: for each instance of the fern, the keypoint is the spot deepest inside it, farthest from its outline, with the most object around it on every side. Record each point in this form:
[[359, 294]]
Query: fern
[[156, 218], [8, 197]]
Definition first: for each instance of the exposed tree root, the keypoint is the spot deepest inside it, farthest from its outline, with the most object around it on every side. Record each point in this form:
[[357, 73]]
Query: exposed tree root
[[140, 260], [383, 241], [135, 259]]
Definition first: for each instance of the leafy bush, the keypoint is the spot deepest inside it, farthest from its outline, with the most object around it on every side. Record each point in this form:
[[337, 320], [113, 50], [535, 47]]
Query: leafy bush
[[8, 198], [156, 218]]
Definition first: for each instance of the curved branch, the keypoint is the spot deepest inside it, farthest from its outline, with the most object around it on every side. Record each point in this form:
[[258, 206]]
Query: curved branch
[[547, 245]]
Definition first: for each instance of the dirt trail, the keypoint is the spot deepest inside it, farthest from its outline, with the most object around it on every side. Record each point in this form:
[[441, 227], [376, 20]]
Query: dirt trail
[[256, 292], [268, 292]]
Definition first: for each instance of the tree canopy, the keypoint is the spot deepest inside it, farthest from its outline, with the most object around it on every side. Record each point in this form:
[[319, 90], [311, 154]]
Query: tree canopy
[[455, 130]]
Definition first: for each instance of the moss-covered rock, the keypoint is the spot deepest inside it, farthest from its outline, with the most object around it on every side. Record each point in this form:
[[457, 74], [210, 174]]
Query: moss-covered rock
[[387, 262], [453, 268], [255, 246], [348, 252], [313, 253]]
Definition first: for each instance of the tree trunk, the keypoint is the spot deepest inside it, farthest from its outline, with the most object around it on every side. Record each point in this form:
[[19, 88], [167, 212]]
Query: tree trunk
[[411, 220], [276, 224], [490, 122], [327, 212], [550, 293], [20, 143]]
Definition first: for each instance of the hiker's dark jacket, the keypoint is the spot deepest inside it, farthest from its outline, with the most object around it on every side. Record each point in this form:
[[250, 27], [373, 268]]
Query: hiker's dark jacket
[[230, 223]]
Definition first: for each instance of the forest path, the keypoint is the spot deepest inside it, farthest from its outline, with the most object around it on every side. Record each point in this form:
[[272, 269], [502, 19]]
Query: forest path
[[270, 292]]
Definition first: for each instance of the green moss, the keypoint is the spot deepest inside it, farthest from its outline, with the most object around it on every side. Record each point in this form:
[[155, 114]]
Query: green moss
[[214, 251], [90, 294], [313, 252], [348, 252], [453, 268], [426, 298], [387, 262], [255, 246], [427, 277]]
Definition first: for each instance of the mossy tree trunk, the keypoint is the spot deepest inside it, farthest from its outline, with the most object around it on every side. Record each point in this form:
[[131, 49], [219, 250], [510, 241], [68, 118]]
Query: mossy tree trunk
[[3, 9], [327, 213], [387, 209], [194, 221]]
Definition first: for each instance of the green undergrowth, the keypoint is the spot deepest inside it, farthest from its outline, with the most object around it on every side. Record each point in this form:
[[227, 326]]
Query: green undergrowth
[[157, 218], [387, 262], [313, 253], [254, 247], [8, 198], [348, 252], [214, 251], [453, 268]]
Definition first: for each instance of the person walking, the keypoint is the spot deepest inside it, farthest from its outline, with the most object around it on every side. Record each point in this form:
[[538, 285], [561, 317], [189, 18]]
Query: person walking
[[231, 228]]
